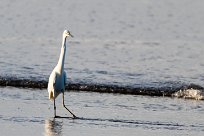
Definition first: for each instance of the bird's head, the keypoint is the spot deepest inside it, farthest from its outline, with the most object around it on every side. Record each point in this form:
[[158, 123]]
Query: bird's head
[[67, 33]]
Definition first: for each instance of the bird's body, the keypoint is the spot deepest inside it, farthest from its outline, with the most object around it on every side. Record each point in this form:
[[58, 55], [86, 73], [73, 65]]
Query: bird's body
[[57, 82], [57, 79]]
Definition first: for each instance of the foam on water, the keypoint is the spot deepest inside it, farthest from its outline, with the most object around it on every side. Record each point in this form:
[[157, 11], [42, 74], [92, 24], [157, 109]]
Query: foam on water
[[190, 94]]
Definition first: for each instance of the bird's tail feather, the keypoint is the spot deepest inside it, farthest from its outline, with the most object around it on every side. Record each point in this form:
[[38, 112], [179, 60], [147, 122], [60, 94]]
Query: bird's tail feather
[[51, 95]]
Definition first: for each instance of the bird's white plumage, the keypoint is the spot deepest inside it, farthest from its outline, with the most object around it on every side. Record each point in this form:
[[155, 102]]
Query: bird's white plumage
[[57, 79], [57, 82]]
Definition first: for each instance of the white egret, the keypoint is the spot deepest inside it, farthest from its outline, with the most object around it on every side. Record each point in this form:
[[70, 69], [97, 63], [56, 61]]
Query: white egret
[[57, 79]]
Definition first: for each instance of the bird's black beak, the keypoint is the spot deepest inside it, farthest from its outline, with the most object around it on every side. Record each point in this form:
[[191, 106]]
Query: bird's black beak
[[71, 35]]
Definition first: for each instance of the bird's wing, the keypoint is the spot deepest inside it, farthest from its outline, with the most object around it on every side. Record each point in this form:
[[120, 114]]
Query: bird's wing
[[51, 84], [52, 78]]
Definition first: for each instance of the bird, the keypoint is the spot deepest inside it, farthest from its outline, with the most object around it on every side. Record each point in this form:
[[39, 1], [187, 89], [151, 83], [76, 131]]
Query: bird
[[57, 79]]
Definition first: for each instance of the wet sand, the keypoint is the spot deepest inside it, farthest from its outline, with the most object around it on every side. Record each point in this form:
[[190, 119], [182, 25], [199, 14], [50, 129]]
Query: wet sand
[[29, 112]]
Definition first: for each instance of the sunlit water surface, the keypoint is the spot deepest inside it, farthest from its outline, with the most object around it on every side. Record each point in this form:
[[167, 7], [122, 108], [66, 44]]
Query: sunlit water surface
[[141, 43], [28, 112]]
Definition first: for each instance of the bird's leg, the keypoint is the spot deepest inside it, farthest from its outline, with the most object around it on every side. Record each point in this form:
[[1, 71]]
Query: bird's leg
[[66, 107], [54, 109]]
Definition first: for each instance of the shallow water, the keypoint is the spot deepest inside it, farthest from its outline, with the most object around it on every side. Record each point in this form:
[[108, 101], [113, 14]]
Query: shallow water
[[28, 112], [148, 46]]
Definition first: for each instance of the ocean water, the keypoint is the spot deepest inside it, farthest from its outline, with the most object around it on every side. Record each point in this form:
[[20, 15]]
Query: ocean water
[[135, 44], [124, 47]]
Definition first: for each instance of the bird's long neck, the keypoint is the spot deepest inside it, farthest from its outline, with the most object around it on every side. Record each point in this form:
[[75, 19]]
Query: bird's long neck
[[60, 64]]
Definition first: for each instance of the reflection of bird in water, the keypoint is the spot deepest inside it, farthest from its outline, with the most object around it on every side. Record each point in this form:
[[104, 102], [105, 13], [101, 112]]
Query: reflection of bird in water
[[57, 79], [53, 128]]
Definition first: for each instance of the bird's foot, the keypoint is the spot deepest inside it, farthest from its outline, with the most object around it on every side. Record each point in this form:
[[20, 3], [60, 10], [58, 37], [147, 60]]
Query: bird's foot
[[57, 116], [75, 117]]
